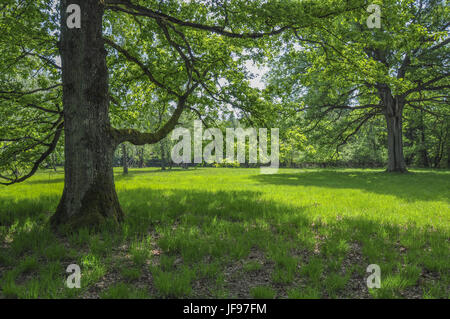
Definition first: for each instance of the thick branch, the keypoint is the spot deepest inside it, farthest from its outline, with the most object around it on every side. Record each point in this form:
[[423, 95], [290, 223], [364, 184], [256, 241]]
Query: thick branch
[[138, 10], [141, 138]]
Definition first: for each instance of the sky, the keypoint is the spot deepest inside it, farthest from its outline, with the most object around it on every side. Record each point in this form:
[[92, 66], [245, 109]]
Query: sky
[[258, 72]]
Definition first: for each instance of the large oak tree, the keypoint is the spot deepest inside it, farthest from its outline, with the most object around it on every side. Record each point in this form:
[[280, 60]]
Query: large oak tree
[[342, 75], [178, 49]]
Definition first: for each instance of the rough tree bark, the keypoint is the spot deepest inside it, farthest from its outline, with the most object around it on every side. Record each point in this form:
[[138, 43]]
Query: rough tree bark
[[89, 196], [393, 111]]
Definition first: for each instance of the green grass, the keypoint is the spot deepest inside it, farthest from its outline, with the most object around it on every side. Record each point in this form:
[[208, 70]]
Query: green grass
[[252, 266], [131, 273], [124, 291], [173, 284], [262, 292], [229, 232]]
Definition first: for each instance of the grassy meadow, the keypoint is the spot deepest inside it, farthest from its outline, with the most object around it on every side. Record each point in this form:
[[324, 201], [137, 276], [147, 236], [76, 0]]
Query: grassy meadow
[[234, 233]]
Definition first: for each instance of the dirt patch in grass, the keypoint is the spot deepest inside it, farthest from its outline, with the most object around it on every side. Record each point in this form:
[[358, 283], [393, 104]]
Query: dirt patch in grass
[[239, 282], [417, 291], [356, 286], [121, 260]]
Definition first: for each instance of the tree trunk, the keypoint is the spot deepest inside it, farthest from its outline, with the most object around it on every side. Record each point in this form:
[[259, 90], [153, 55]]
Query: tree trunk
[[124, 158], [393, 112], [54, 161], [169, 161], [448, 145], [393, 115], [141, 157], [448, 155], [440, 149], [89, 197], [423, 148], [163, 156]]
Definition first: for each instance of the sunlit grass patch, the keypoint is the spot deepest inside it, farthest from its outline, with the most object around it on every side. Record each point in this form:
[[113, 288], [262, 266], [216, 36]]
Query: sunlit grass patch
[[173, 284]]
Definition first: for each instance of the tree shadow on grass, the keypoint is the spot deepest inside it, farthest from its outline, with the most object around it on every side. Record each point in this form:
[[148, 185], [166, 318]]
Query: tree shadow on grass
[[416, 186], [30, 209], [232, 225], [197, 224], [132, 173], [44, 180]]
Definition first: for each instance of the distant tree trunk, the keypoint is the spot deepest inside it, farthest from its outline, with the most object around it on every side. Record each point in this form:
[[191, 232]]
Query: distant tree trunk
[[53, 160], [89, 196], [163, 155], [423, 149], [393, 111], [448, 155], [373, 142], [141, 157], [124, 158], [442, 141], [448, 144], [169, 162]]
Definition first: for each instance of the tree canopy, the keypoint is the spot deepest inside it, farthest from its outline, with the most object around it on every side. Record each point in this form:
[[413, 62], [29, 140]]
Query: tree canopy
[[135, 69]]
